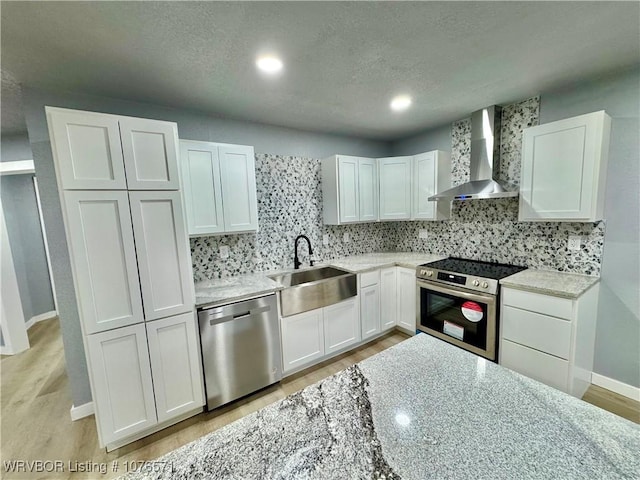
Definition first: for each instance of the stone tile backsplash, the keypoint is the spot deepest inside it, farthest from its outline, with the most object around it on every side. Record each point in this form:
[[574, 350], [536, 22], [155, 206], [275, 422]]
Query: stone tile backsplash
[[290, 203], [489, 229]]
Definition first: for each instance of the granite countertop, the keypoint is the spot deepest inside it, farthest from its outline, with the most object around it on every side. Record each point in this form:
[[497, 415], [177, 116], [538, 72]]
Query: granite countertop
[[219, 291], [559, 284], [231, 289], [421, 409], [373, 261]]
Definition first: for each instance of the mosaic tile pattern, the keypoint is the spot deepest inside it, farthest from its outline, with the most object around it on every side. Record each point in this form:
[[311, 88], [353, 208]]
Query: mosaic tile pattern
[[489, 229], [515, 118], [289, 204]]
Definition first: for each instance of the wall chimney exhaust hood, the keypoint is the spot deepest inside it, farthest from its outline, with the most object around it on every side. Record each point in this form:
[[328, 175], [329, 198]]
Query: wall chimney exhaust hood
[[485, 161]]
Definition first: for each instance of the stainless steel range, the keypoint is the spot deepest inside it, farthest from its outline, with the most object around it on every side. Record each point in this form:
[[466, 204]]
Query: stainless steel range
[[458, 302]]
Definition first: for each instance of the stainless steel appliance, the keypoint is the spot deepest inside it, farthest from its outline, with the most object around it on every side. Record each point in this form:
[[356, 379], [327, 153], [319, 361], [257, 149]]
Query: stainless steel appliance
[[458, 302], [240, 348], [484, 166]]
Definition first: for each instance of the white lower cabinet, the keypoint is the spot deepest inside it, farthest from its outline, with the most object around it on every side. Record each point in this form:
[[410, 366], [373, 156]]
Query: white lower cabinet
[[122, 385], [370, 311], [388, 297], [548, 338], [407, 299], [175, 365], [144, 375], [310, 336], [302, 339], [341, 325], [369, 304]]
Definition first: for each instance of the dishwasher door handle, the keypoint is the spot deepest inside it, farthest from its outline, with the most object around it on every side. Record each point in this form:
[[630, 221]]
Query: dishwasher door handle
[[228, 318]]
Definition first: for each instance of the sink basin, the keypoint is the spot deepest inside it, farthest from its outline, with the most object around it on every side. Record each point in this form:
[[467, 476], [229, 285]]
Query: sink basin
[[306, 290]]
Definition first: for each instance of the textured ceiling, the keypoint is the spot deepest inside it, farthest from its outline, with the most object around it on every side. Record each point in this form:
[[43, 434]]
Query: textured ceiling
[[343, 60]]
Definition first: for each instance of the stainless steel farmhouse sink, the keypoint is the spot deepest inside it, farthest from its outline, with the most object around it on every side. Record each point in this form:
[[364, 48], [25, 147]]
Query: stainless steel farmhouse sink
[[314, 288]]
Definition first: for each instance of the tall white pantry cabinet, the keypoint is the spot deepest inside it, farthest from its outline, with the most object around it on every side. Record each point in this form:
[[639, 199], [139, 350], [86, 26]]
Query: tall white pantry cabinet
[[129, 250]]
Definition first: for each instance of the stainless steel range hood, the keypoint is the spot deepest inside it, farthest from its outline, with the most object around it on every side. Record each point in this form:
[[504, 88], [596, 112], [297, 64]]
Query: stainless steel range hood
[[485, 161]]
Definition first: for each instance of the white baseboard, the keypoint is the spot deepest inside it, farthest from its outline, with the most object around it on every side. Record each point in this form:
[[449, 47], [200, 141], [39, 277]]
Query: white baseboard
[[38, 318], [81, 411], [616, 386]]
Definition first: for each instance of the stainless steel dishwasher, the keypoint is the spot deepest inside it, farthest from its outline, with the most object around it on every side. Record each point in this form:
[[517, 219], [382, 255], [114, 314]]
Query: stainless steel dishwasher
[[240, 348]]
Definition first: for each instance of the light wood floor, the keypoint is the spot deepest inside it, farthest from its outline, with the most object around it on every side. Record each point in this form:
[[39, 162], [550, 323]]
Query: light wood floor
[[35, 402]]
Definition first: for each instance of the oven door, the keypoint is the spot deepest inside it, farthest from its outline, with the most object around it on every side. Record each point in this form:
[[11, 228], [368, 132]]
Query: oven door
[[458, 316]]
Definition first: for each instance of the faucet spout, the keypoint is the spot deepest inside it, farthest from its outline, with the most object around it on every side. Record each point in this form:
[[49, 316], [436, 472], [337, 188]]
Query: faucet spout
[[296, 260]]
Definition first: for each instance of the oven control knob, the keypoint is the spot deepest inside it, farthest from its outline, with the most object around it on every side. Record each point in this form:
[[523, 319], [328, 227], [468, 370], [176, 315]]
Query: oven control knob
[[485, 285], [476, 282], [429, 273]]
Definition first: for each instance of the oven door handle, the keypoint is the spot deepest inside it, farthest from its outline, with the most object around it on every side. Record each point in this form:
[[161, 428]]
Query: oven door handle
[[488, 299]]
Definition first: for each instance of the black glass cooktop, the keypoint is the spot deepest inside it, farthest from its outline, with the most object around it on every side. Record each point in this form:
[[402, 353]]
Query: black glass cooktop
[[475, 268]]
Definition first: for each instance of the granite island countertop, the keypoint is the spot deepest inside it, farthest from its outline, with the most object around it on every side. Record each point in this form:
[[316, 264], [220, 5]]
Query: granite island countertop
[[548, 282], [421, 409], [219, 291]]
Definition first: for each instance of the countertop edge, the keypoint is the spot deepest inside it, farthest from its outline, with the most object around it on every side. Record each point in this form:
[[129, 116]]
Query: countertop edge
[[548, 290]]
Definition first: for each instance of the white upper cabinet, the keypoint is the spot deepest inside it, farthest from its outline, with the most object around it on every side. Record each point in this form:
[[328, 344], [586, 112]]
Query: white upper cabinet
[[239, 201], [395, 187], [349, 190], [564, 167], [202, 187], [163, 253], [103, 259], [150, 153], [175, 365], [368, 188], [431, 174], [94, 150], [87, 150], [219, 187], [348, 197], [122, 385]]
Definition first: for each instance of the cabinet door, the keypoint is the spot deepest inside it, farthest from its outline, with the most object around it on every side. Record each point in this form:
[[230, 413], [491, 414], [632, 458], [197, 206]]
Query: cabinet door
[[302, 339], [103, 258], [240, 205], [407, 299], [368, 189], [424, 185], [162, 248], [175, 364], [341, 325], [122, 386], [348, 189], [395, 188], [87, 150], [370, 310], [388, 298], [150, 149], [561, 168], [540, 366], [201, 187]]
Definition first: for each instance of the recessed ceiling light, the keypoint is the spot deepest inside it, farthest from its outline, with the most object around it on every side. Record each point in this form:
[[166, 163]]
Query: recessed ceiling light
[[269, 64], [400, 103]]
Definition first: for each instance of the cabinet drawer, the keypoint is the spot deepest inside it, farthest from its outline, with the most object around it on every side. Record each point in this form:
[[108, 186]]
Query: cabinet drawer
[[369, 278], [545, 368], [548, 334], [545, 304]]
